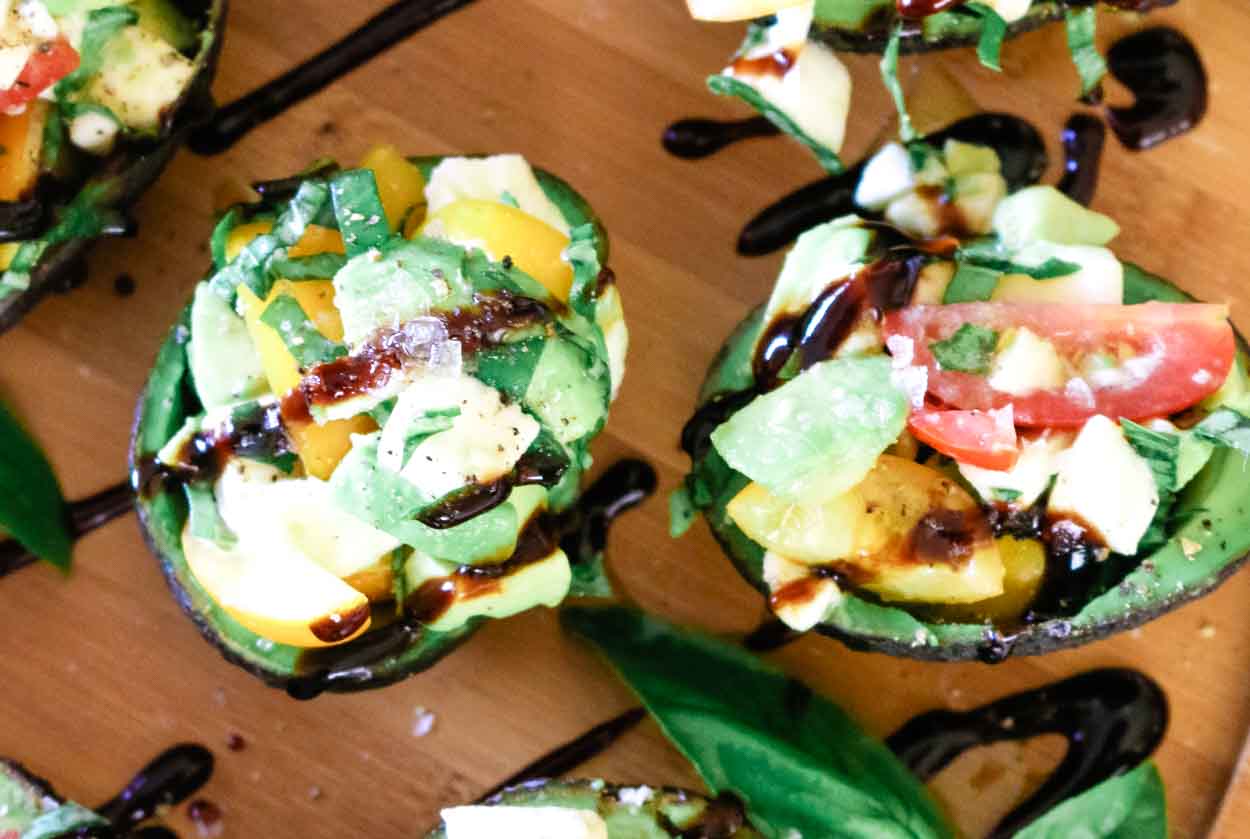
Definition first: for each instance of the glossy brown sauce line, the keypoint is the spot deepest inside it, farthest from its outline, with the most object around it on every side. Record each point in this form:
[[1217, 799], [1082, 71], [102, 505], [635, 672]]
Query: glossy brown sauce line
[[383, 31]]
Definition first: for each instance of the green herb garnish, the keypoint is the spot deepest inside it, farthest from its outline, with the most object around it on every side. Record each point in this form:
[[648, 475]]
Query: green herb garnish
[[993, 32], [969, 350], [889, 74], [1082, 27], [32, 509]]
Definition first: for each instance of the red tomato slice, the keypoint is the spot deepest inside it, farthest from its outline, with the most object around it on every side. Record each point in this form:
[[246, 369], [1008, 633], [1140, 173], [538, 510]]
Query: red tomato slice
[[978, 438], [51, 62], [1186, 352]]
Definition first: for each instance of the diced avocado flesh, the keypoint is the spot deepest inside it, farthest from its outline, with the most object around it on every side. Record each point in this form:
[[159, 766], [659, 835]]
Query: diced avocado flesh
[[141, 78], [224, 363], [569, 390], [1043, 213]]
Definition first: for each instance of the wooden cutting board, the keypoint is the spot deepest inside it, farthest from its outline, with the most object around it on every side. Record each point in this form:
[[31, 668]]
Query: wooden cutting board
[[101, 670]]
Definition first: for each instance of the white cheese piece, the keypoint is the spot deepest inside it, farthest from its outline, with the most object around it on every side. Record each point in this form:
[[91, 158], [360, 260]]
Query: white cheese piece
[[1037, 464], [487, 179], [1105, 483], [38, 19], [274, 514], [482, 822], [485, 440], [94, 133], [12, 60], [1025, 363], [916, 214], [887, 176], [821, 594], [815, 92], [1010, 10]]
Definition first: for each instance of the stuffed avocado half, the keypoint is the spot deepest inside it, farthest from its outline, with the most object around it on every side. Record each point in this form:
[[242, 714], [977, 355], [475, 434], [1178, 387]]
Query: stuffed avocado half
[[363, 423], [95, 96], [594, 810], [29, 809], [788, 70], [963, 427]]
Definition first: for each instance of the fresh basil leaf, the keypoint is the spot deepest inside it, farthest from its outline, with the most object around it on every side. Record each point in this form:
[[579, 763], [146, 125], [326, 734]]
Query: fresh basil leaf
[[971, 284], [969, 350], [889, 74], [303, 208], [508, 199], [794, 758], [723, 85], [920, 153], [989, 255], [1131, 806], [221, 236], [359, 211], [590, 578], [1082, 27], [1226, 427], [32, 509], [1161, 451], [1005, 495], [102, 26], [302, 338], [993, 32]]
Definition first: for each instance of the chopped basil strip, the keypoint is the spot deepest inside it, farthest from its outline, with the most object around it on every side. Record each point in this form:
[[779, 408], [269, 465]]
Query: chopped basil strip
[[301, 336], [205, 519], [967, 351], [728, 86], [1226, 427], [322, 266], [971, 284], [1160, 449], [993, 31], [358, 208], [1090, 65], [1005, 495], [889, 73], [681, 511]]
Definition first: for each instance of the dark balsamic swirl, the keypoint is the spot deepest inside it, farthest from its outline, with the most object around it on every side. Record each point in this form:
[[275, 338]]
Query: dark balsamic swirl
[[696, 138], [1163, 69], [1083, 139], [381, 32], [1113, 720], [172, 777]]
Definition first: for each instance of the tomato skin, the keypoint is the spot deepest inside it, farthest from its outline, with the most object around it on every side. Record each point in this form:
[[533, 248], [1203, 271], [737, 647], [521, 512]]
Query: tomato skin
[[51, 62], [977, 438], [1193, 342]]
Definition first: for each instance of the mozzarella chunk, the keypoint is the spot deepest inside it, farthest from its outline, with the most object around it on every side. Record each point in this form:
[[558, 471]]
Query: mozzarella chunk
[[1025, 363], [94, 133], [1037, 464], [887, 176], [1010, 10], [483, 822], [488, 178], [1105, 483], [820, 594], [485, 440], [272, 514]]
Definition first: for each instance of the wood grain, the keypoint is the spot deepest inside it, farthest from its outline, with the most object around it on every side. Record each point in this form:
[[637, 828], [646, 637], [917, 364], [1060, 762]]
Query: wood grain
[[101, 670]]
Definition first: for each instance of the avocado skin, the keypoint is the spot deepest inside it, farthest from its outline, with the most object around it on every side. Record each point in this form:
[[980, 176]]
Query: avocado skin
[[387, 669], [129, 172], [993, 646], [553, 793]]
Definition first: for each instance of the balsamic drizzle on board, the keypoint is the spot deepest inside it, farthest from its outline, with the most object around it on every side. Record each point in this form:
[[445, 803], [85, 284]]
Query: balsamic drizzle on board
[[392, 25], [1160, 66], [1112, 718], [84, 516]]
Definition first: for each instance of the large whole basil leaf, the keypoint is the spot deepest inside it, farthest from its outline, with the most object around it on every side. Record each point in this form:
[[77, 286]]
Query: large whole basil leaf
[[1132, 806], [795, 759], [32, 509]]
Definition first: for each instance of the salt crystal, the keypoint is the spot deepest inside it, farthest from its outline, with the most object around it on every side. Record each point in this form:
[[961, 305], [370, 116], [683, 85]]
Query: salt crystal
[[424, 722]]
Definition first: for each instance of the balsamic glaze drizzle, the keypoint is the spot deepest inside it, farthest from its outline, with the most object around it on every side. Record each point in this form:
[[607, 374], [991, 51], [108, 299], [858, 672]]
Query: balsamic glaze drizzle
[[1083, 137], [582, 532], [1019, 145], [383, 31], [84, 516], [172, 777], [1112, 718], [1163, 69], [695, 138]]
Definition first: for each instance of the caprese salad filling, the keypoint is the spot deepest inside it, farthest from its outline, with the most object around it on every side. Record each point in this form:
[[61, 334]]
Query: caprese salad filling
[[399, 369], [964, 410], [787, 69], [80, 79], [593, 810]]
